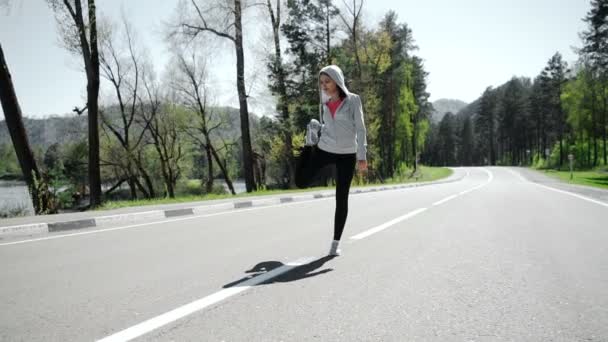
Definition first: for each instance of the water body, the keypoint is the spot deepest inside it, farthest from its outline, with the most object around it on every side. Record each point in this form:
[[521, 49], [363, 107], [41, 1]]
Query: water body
[[14, 194]]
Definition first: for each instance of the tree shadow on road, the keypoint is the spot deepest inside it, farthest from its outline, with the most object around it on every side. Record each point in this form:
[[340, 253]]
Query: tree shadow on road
[[297, 273]]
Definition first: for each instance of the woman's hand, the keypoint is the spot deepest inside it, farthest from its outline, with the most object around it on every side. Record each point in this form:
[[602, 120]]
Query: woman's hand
[[362, 166]]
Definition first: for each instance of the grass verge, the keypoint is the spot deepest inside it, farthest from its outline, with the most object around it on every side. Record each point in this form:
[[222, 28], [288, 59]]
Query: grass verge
[[596, 178], [426, 174]]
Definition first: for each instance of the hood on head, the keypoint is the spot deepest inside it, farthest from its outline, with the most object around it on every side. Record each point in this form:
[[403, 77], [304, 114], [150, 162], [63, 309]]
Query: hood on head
[[335, 73]]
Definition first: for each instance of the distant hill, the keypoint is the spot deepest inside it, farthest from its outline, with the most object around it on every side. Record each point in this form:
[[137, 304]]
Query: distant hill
[[469, 110], [472, 108], [61, 129], [443, 106], [47, 131]]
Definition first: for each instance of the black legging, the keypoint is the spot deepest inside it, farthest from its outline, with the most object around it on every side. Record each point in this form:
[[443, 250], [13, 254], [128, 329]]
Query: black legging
[[311, 161]]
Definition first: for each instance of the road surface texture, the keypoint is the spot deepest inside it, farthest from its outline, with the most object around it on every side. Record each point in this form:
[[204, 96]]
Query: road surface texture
[[493, 257]]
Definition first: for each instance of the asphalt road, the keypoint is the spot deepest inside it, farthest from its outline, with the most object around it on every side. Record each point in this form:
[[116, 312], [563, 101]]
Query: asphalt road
[[493, 257]]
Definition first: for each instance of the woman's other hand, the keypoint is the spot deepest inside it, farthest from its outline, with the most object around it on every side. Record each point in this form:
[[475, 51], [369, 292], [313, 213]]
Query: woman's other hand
[[362, 166]]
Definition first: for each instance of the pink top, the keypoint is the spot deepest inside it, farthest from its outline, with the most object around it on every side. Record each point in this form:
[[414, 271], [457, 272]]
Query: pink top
[[333, 107]]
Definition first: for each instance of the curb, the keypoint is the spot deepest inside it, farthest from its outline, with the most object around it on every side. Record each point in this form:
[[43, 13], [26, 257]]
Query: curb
[[107, 221]]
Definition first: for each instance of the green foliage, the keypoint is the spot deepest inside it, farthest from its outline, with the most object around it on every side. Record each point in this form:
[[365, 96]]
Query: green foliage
[[60, 189], [447, 140], [404, 129], [8, 161], [52, 157], [75, 163], [466, 146], [562, 110], [539, 162], [373, 122], [276, 168]]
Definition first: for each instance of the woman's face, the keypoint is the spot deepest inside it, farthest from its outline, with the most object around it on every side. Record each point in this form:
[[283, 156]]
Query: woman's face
[[328, 85]]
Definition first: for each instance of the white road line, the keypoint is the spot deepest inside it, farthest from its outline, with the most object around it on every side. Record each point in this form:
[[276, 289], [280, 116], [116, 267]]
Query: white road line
[[561, 191], [490, 179], [517, 174], [158, 222], [394, 221], [445, 200], [182, 219], [383, 226], [199, 304], [572, 194], [188, 309]]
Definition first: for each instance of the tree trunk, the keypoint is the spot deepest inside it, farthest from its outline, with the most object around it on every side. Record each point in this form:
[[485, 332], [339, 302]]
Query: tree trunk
[[132, 187], [589, 147], [172, 180], [14, 122], [604, 127], [94, 171], [209, 183], [283, 105], [150, 193], [594, 137], [240, 83], [544, 143], [561, 149], [131, 178], [163, 169], [141, 188], [582, 153], [166, 178], [116, 186], [93, 108], [538, 138], [224, 170], [492, 154], [414, 136], [356, 48], [327, 34], [560, 133], [389, 127]]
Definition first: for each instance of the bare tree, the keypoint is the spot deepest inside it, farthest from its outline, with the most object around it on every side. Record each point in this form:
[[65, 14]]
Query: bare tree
[[164, 129], [328, 11], [79, 32], [190, 84], [278, 70], [14, 122], [122, 69], [163, 121], [228, 25], [353, 26]]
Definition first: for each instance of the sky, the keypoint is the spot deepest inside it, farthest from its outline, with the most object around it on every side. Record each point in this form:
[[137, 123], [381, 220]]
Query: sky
[[466, 45]]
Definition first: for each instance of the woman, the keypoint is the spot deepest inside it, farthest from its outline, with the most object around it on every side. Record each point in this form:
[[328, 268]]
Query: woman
[[343, 143]]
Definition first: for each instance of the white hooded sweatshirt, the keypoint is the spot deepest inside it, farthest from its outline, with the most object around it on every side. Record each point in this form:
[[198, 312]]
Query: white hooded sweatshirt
[[345, 132]]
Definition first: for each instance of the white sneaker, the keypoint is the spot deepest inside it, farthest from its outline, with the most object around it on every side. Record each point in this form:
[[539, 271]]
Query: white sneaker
[[334, 250]]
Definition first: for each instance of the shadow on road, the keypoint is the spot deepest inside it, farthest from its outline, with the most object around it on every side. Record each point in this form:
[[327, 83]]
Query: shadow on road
[[299, 272]]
